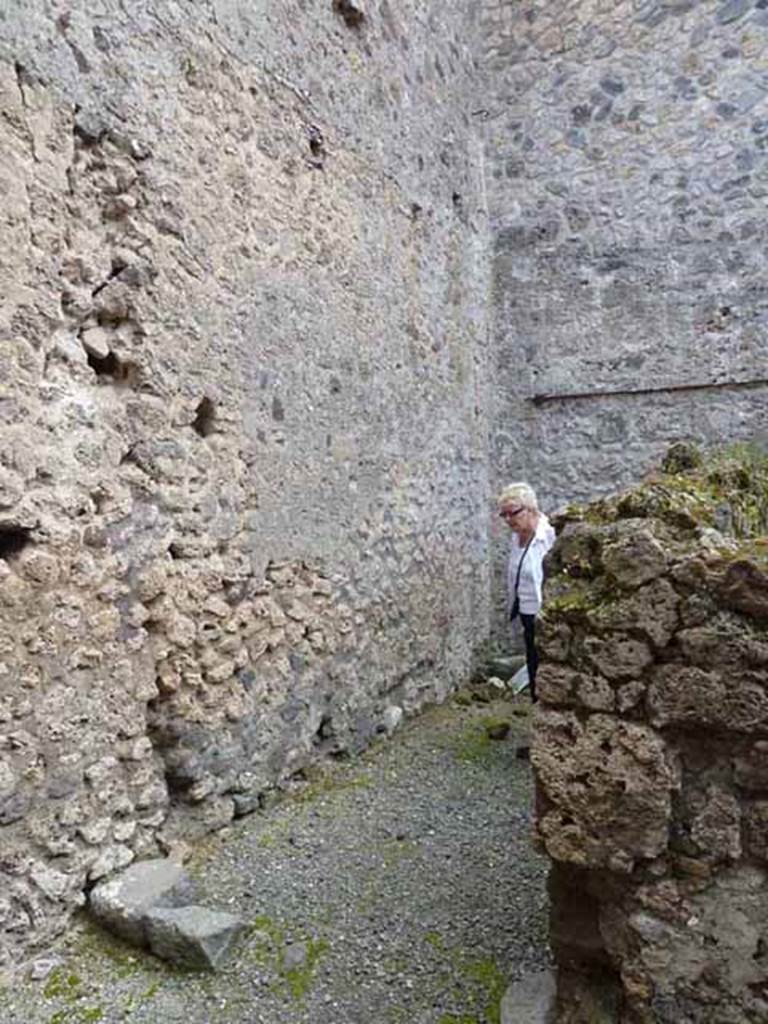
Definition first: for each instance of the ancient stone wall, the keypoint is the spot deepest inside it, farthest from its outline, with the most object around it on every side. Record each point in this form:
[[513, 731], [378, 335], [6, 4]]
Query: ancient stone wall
[[651, 751], [628, 174], [243, 452]]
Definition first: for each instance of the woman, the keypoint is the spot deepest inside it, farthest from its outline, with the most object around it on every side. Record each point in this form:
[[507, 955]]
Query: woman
[[532, 537]]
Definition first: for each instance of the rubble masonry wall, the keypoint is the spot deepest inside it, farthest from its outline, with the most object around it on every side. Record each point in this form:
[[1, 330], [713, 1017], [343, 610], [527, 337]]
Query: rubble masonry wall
[[651, 751], [243, 428]]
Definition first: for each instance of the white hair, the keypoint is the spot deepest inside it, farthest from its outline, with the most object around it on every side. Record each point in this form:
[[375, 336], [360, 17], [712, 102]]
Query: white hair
[[519, 493]]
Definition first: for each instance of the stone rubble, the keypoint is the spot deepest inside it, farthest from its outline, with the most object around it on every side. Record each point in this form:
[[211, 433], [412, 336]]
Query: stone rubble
[[194, 937], [649, 749], [152, 904], [121, 904]]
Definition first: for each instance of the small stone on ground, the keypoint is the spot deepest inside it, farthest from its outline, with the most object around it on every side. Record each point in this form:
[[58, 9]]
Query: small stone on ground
[[530, 1000]]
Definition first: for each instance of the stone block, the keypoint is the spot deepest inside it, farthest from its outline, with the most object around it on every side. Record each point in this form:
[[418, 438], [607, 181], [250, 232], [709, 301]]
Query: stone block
[[652, 610], [685, 696], [745, 589], [502, 667], [121, 904], [619, 657], [606, 788], [634, 559], [392, 718], [193, 936], [96, 342], [530, 1000]]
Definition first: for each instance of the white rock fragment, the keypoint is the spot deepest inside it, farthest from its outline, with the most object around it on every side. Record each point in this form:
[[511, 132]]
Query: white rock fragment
[[393, 716], [96, 342]]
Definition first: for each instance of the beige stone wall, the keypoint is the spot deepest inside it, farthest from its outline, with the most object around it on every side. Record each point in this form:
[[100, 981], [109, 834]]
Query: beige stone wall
[[243, 454], [650, 750]]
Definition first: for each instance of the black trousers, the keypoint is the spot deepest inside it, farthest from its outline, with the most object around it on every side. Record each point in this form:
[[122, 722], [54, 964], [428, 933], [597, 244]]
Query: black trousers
[[531, 654]]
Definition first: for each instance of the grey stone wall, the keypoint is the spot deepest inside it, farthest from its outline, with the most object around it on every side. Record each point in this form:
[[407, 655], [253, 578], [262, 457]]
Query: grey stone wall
[[244, 453], [627, 188]]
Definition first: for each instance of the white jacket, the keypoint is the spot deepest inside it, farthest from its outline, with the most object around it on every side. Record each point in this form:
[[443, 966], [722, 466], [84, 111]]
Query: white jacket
[[532, 572]]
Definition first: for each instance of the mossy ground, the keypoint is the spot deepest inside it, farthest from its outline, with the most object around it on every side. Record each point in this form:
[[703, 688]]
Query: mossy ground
[[474, 744], [267, 946], [64, 986]]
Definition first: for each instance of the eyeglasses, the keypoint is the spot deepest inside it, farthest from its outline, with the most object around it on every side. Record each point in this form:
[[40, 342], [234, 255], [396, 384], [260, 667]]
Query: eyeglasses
[[510, 513]]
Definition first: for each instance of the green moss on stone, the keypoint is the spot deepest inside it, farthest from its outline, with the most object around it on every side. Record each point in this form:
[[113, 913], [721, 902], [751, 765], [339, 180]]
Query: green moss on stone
[[726, 489], [77, 1015], [736, 476], [487, 974], [267, 948], [753, 550], [94, 942], [474, 746], [62, 984], [489, 984], [298, 980], [324, 781]]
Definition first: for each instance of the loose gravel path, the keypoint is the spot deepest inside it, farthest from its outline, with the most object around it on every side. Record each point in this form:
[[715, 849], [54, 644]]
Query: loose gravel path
[[399, 887]]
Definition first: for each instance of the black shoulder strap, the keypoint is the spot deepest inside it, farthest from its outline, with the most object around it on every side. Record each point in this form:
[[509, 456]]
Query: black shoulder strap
[[520, 563]]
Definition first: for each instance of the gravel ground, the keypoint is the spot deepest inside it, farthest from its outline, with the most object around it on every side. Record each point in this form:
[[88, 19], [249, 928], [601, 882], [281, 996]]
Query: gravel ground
[[398, 887]]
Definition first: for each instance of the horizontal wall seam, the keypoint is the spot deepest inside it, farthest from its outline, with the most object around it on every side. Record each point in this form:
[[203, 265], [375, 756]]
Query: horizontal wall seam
[[541, 399]]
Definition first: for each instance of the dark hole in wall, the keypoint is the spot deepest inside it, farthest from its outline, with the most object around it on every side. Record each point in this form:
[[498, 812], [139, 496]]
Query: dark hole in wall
[[13, 540], [350, 12], [205, 416], [325, 731], [106, 366], [113, 370], [99, 499], [87, 130], [316, 140]]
